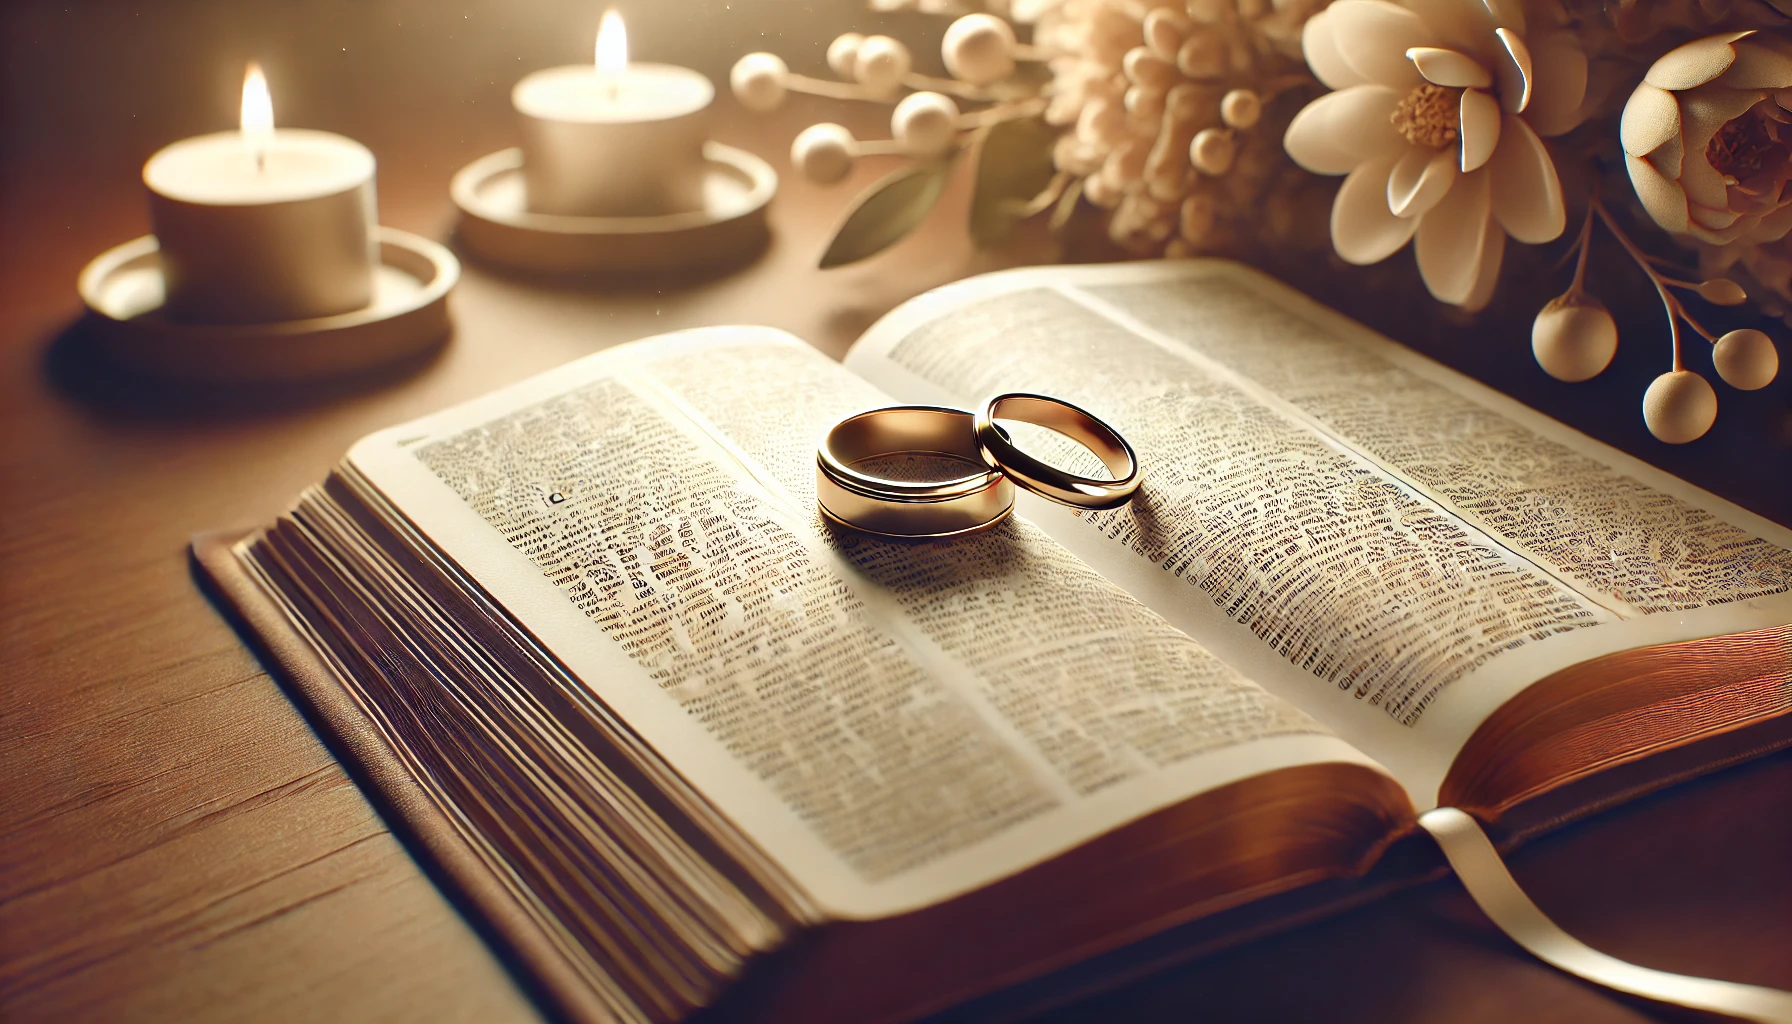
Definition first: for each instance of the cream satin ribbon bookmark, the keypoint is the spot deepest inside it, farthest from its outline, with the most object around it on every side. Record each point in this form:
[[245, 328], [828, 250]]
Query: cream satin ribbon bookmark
[[1485, 877]]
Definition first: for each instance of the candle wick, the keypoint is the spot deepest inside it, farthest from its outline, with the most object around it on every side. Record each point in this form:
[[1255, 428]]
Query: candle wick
[[261, 161], [612, 89]]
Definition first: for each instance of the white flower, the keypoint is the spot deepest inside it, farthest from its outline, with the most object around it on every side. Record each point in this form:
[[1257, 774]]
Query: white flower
[[1708, 139], [1436, 121]]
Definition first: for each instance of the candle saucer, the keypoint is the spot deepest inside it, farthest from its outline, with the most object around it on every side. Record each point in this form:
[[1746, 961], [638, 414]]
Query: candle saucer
[[123, 290], [497, 225]]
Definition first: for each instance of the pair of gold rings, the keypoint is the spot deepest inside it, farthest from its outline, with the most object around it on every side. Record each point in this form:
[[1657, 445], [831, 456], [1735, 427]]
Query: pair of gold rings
[[859, 498]]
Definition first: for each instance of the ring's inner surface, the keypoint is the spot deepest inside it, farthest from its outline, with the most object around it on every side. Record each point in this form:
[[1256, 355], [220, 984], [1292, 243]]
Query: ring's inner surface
[[920, 468], [1063, 438], [908, 447]]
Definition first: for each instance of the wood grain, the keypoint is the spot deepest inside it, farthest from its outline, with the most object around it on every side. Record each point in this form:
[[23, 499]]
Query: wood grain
[[176, 844]]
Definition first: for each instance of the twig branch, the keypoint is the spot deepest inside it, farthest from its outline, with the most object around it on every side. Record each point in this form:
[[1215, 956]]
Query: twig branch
[[1676, 311]]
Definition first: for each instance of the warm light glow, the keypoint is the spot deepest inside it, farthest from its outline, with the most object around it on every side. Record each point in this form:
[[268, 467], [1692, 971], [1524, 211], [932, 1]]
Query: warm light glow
[[258, 106], [612, 45]]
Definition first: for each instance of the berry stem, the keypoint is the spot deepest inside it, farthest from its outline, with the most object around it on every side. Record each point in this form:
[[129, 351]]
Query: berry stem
[[879, 147], [1002, 112], [1676, 311], [949, 86], [1695, 325], [832, 90], [1583, 244]]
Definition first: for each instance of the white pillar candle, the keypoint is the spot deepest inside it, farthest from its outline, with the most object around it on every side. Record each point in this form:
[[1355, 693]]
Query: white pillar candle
[[613, 139], [258, 225]]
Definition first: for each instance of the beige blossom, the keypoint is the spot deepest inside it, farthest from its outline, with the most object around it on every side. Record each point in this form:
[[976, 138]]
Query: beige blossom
[[1708, 139], [1437, 119]]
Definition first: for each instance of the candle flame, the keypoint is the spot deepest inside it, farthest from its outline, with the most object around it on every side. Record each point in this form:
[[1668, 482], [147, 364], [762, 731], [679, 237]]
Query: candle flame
[[612, 44], [258, 106]]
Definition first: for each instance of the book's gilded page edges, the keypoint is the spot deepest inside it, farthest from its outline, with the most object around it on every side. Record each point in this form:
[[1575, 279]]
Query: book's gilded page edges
[[892, 723], [1391, 546]]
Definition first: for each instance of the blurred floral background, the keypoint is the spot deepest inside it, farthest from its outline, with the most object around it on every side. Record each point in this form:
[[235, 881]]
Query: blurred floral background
[[1543, 162]]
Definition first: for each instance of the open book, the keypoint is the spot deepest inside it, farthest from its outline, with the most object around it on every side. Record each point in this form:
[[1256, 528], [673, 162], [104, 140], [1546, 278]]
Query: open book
[[666, 730]]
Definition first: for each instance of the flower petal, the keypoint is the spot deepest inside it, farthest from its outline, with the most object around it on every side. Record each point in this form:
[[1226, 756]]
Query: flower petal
[[1701, 182], [1419, 180], [1758, 67], [1364, 230], [1480, 114], [1452, 237], [1516, 72], [1706, 217], [1725, 236], [1704, 110], [1449, 68], [1774, 226], [1651, 117], [1693, 64], [1320, 46], [1507, 13], [1561, 71], [1527, 193], [1493, 253], [1669, 158], [1373, 37], [1340, 130], [1459, 26], [1663, 199]]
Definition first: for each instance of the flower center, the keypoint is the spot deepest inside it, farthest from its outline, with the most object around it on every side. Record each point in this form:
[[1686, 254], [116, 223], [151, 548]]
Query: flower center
[[1429, 116], [1748, 145]]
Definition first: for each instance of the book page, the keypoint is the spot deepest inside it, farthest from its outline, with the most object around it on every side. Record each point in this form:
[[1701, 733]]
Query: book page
[[1389, 545], [892, 722]]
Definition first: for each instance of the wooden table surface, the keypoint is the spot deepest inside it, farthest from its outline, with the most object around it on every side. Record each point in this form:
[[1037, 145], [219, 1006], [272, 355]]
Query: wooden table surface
[[177, 844]]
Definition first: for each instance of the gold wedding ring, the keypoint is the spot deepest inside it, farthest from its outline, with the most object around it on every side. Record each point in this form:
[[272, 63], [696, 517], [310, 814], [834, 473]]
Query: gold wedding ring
[[901, 508], [855, 496], [998, 449]]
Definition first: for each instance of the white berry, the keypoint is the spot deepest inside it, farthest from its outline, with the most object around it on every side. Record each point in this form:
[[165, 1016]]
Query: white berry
[[1212, 151], [759, 80], [843, 53], [1746, 359], [1679, 407], [1574, 338], [822, 153], [880, 64], [979, 49], [1241, 108], [925, 123]]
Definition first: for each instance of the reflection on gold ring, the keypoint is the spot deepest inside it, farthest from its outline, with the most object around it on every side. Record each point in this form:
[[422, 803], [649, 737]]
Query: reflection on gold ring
[[901, 508], [998, 449]]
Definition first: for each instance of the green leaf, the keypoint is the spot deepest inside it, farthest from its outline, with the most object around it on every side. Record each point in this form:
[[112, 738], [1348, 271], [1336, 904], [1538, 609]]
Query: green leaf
[[885, 212], [1014, 168]]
